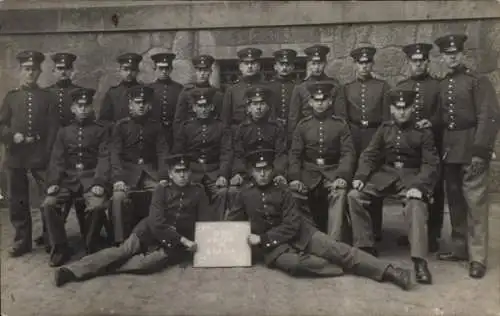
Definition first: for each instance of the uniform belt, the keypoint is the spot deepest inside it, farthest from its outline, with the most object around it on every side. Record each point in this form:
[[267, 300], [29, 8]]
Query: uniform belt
[[366, 124], [322, 161], [454, 126], [404, 164]]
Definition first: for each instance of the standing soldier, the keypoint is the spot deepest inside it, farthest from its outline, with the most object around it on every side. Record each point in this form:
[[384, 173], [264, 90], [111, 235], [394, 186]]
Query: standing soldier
[[299, 103], [79, 168], [282, 85], [234, 104], [366, 108], [470, 115], [322, 160], [208, 141], [401, 160], [203, 70], [114, 106], [426, 114], [166, 92], [138, 148], [28, 126]]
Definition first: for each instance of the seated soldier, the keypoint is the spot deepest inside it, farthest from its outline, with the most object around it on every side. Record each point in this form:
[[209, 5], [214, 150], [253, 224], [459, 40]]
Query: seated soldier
[[322, 160], [164, 237], [138, 147], [79, 167], [401, 160], [208, 141], [290, 243]]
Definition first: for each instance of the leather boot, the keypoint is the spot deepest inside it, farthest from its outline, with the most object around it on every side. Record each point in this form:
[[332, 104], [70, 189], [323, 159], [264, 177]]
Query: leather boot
[[422, 273], [60, 255], [398, 276], [477, 270], [63, 276]]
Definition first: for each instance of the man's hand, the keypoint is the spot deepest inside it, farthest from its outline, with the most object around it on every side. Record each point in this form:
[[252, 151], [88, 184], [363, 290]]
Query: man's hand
[[253, 240], [53, 189], [414, 194], [358, 185], [279, 180], [18, 138], [191, 246], [119, 186], [339, 184], [425, 123], [221, 182], [164, 182], [97, 190], [477, 166], [236, 180], [298, 186]]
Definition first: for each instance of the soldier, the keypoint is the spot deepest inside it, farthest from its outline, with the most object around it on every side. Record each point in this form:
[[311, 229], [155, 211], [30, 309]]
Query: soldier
[[470, 114], [366, 108], [289, 243], [234, 104], [28, 126], [282, 84], [166, 92], [299, 103], [114, 106], [138, 147], [400, 161], [203, 70], [79, 168], [322, 160], [165, 237], [426, 114], [208, 141]]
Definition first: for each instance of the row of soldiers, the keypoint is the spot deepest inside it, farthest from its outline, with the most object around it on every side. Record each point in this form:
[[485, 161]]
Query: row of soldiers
[[327, 139]]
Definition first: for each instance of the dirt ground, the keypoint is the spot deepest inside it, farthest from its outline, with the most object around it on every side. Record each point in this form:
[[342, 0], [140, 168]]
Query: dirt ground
[[27, 288]]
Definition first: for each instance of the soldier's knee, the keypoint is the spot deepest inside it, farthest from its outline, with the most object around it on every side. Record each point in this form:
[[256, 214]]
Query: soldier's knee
[[354, 195], [49, 203], [119, 196]]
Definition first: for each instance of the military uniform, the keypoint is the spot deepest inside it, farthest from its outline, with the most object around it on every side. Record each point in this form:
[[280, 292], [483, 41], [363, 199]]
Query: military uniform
[[183, 111], [299, 103], [408, 160], [288, 242], [138, 148], [234, 104], [79, 161], [114, 106], [208, 141], [154, 243], [322, 151], [31, 111], [166, 95], [470, 115], [427, 107]]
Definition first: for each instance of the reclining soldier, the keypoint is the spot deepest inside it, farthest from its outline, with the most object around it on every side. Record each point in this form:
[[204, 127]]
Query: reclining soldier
[[290, 243], [164, 237]]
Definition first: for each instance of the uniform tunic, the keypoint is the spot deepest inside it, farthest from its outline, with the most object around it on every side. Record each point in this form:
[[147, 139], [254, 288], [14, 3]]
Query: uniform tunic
[[165, 100], [115, 104], [61, 91], [282, 88]]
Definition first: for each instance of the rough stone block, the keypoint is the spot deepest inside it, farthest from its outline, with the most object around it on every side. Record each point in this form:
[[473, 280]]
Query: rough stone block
[[361, 32], [389, 61], [340, 38], [162, 39], [424, 33], [116, 43], [449, 27], [183, 44], [232, 37], [383, 35], [206, 38], [341, 69]]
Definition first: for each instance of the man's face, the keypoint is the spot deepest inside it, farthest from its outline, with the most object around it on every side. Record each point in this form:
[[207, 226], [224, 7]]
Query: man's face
[[418, 66], [258, 109], [316, 67], [453, 60], [202, 111], [364, 68], [128, 73], [81, 111], [62, 72], [179, 175], [162, 72], [249, 67], [29, 74], [262, 175], [401, 115], [203, 75], [139, 107], [320, 106], [284, 69]]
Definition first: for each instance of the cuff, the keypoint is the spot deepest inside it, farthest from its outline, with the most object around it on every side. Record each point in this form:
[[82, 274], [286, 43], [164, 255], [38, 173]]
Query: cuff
[[481, 152], [267, 243]]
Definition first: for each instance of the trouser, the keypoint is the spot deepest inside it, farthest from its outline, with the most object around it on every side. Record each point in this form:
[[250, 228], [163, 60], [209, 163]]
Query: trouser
[[55, 217], [129, 207], [218, 198], [469, 210], [126, 258], [323, 256], [436, 211], [415, 213], [19, 204], [328, 210]]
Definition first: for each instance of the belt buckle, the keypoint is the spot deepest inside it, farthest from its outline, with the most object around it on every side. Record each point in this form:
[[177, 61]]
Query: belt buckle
[[364, 123], [320, 161], [140, 161], [202, 160], [399, 164], [79, 166]]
